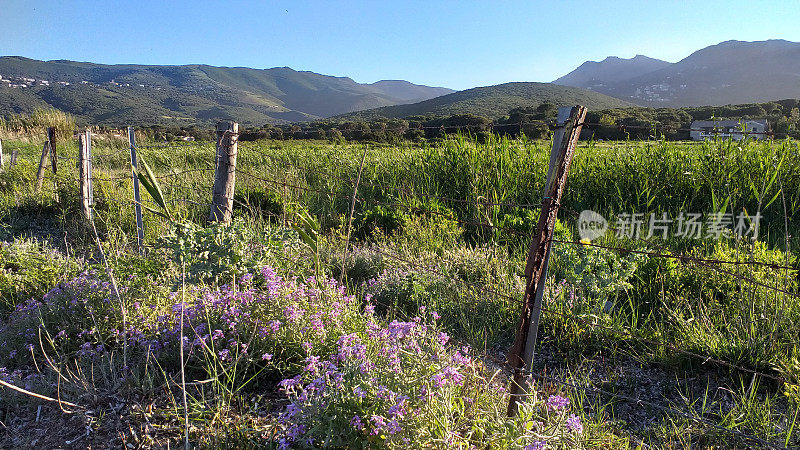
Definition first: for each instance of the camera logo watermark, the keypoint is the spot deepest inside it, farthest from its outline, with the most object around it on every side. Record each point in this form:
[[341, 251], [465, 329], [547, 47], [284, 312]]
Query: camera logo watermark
[[592, 225]]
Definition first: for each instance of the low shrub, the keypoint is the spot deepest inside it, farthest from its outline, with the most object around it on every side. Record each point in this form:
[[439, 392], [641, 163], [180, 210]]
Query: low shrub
[[28, 270]]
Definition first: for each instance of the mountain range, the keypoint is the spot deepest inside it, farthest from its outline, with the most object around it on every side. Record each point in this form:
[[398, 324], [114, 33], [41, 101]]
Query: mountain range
[[730, 72], [494, 101], [138, 94]]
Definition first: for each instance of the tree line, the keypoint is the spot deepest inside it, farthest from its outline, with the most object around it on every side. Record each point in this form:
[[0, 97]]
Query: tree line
[[538, 122], [534, 122]]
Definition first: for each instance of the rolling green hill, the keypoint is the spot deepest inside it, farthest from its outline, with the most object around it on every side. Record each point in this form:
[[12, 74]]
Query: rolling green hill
[[493, 101], [141, 94]]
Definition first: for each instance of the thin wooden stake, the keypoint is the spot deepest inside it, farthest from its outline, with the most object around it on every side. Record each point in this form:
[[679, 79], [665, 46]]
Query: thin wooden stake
[[90, 170], [522, 352], [84, 174], [2, 161], [225, 173], [137, 199], [14, 155], [42, 162], [350, 218], [51, 142]]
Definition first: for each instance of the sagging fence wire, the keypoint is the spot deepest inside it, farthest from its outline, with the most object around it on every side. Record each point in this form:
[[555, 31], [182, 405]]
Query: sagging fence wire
[[410, 191], [173, 174]]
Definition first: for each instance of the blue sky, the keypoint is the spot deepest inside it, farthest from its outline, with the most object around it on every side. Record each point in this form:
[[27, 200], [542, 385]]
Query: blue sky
[[457, 44]]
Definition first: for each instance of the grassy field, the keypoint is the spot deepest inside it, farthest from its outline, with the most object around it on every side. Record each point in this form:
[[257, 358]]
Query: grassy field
[[650, 343]]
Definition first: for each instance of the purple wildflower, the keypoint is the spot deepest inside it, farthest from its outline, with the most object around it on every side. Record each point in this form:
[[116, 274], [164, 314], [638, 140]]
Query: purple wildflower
[[311, 363], [462, 357], [357, 423], [224, 354], [393, 427], [557, 403], [379, 423], [275, 325], [574, 424], [449, 376]]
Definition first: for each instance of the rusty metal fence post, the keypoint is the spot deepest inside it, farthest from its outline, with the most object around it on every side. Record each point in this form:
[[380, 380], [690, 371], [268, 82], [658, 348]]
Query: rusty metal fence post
[[520, 357]]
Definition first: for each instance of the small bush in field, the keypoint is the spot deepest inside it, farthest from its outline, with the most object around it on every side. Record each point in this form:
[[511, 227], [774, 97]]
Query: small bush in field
[[28, 270], [378, 218], [220, 252]]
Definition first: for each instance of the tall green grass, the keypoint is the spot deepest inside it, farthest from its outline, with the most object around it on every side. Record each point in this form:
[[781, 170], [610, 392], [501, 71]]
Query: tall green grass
[[426, 203]]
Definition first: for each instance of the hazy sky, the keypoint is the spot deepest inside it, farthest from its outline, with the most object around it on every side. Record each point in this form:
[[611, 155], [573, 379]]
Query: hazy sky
[[457, 44]]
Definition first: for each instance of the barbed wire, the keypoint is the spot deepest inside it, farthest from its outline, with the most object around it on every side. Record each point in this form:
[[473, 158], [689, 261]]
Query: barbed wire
[[519, 301], [183, 172], [494, 292], [402, 189], [110, 155], [678, 257], [174, 144], [111, 179]]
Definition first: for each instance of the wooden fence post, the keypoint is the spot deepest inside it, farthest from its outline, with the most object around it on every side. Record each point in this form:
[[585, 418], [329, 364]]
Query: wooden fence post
[[570, 121], [42, 162], [2, 161], [14, 154], [51, 142], [85, 173], [225, 173], [137, 199]]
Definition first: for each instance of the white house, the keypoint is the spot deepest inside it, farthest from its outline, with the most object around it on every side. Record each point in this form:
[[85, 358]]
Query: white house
[[724, 129]]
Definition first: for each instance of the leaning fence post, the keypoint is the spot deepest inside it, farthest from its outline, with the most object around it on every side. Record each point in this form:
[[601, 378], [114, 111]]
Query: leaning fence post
[[51, 141], [84, 162], [570, 121], [137, 199], [42, 162], [225, 173]]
